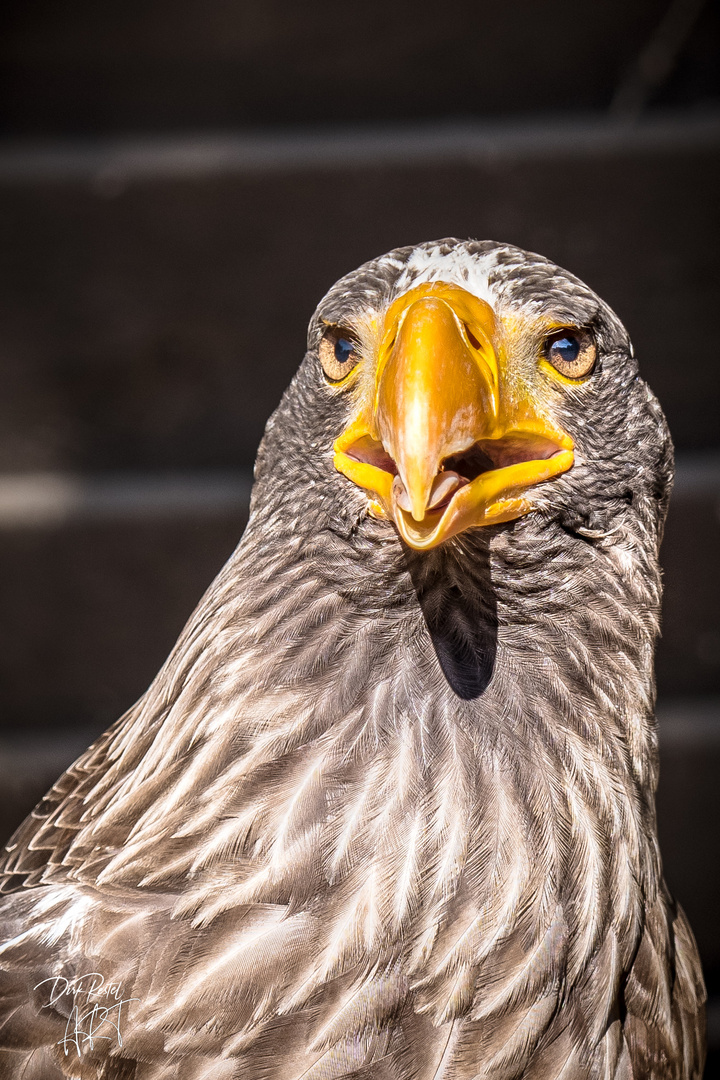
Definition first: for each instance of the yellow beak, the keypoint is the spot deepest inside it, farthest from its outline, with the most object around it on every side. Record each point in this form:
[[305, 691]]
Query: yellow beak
[[446, 442]]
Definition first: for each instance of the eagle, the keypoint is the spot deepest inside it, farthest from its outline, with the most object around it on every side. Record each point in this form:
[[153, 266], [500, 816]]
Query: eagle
[[387, 812]]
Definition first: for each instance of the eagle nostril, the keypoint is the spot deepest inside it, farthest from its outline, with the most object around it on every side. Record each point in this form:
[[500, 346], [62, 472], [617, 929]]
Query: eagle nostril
[[471, 337]]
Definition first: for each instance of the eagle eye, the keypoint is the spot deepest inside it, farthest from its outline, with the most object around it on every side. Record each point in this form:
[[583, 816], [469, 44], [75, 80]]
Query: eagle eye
[[572, 352], [338, 353]]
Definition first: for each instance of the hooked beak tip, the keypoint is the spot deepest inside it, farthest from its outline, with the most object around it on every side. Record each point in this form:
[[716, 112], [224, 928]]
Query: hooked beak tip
[[443, 488]]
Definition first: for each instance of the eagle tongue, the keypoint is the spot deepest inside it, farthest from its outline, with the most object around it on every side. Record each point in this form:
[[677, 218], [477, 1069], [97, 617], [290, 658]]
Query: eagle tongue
[[444, 487]]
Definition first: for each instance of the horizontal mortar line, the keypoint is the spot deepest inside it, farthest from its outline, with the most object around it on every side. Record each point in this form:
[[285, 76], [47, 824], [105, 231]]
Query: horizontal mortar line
[[52, 499], [713, 1023], [111, 162], [697, 474], [689, 723], [47, 499]]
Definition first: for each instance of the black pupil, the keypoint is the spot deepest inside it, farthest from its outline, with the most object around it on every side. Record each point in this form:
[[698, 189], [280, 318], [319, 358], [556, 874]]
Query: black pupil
[[343, 350], [566, 348]]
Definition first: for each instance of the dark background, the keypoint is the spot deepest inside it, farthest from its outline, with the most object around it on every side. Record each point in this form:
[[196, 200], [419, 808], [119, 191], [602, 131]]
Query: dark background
[[179, 185]]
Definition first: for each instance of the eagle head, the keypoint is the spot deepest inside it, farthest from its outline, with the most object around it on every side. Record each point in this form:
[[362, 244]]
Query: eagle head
[[462, 384]]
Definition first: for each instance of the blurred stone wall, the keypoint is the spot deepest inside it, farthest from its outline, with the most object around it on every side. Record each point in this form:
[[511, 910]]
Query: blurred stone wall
[[179, 185]]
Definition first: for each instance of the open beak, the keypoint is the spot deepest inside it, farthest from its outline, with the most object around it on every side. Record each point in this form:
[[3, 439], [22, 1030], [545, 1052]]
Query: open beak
[[447, 441]]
